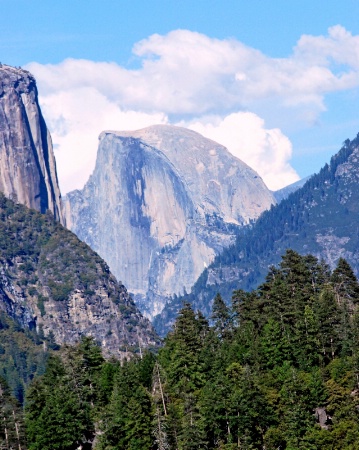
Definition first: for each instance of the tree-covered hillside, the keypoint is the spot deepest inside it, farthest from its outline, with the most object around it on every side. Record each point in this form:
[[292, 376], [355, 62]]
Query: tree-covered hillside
[[278, 369], [321, 218], [50, 280], [23, 355]]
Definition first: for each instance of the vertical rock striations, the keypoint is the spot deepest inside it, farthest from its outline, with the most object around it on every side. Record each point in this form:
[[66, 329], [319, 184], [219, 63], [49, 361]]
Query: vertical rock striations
[[161, 203], [27, 163]]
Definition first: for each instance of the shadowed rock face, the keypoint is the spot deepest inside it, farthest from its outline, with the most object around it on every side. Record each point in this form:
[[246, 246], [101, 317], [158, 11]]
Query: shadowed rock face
[[161, 203], [27, 163]]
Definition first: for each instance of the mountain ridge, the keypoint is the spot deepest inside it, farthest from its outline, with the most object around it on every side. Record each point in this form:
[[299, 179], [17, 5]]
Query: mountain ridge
[[50, 280]]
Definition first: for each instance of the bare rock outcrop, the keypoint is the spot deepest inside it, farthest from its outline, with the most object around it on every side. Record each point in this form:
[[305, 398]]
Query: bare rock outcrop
[[27, 163], [161, 203]]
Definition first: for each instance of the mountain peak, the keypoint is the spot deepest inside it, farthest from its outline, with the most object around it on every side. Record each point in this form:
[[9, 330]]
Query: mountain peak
[[160, 204]]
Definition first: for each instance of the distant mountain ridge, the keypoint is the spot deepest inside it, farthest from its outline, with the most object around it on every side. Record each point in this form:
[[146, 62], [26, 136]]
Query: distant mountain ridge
[[161, 203], [320, 218], [283, 193]]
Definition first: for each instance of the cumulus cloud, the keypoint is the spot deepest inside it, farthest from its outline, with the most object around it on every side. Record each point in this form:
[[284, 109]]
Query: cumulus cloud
[[76, 117], [244, 134], [184, 75]]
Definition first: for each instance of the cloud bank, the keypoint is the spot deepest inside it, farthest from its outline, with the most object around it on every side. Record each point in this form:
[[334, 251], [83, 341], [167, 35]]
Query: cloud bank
[[214, 86]]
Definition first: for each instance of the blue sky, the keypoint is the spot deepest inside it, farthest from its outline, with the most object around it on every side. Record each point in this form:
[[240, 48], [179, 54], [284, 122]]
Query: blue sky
[[283, 131]]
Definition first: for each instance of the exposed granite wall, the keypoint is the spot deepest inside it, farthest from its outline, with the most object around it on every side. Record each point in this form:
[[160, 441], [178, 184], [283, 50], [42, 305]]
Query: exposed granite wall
[[161, 203], [27, 163]]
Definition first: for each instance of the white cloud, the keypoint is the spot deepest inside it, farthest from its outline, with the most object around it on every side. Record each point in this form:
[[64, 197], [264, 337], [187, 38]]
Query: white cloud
[[185, 75], [244, 134], [76, 117], [339, 47]]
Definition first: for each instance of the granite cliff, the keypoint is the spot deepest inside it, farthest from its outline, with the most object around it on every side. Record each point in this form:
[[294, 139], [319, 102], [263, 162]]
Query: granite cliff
[[27, 163], [161, 203], [49, 280]]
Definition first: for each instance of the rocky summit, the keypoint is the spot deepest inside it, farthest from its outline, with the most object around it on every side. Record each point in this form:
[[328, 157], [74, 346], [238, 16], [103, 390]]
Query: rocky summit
[[161, 203], [27, 163]]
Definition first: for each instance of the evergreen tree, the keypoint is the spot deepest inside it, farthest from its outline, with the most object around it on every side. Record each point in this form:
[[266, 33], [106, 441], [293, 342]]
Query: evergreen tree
[[12, 429], [280, 369], [57, 417], [182, 362], [221, 317], [346, 286], [181, 358], [126, 422], [328, 320]]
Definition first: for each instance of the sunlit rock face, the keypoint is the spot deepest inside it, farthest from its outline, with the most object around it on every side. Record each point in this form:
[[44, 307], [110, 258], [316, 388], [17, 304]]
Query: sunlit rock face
[[27, 163], [161, 203]]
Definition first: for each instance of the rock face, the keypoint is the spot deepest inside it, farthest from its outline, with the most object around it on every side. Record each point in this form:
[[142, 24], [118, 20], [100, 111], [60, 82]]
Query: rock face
[[161, 203], [50, 280], [27, 164], [320, 218]]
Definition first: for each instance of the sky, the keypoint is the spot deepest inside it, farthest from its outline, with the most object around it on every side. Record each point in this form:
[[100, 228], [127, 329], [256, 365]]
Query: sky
[[276, 82]]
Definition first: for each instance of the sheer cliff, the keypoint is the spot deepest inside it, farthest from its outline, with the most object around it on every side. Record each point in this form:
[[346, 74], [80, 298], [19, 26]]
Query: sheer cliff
[[161, 203], [51, 281], [27, 163], [320, 218]]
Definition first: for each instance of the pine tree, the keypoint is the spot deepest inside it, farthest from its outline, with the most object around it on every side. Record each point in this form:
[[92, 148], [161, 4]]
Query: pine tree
[[182, 362], [346, 286], [274, 346], [181, 359], [12, 429], [221, 317], [56, 416], [127, 420], [328, 319]]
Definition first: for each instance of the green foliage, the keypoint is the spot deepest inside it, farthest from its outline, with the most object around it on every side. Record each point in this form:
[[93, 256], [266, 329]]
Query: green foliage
[[23, 355], [57, 415], [279, 354], [127, 419], [61, 406], [46, 260], [277, 369], [12, 429]]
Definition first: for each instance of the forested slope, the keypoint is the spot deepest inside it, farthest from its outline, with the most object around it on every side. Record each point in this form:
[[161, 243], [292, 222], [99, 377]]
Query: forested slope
[[278, 369], [50, 280]]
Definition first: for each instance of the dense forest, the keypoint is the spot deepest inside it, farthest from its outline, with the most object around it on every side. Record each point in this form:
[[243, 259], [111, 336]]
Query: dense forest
[[278, 369]]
